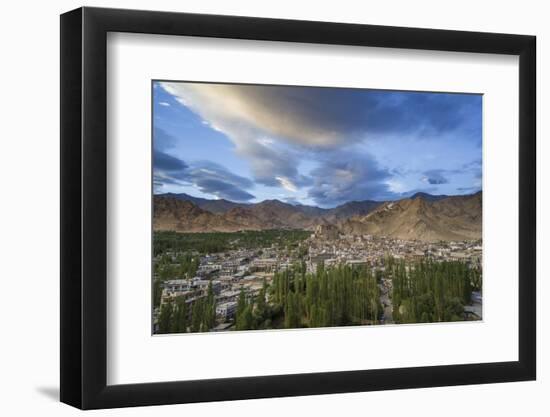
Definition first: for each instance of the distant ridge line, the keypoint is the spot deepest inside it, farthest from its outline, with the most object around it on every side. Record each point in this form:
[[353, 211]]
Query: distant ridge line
[[421, 216]]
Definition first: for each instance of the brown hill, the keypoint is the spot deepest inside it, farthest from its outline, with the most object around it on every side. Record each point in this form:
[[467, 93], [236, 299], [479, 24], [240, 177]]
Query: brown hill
[[221, 206], [213, 206], [281, 215], [420, 218], [183, 216], [449, 218]]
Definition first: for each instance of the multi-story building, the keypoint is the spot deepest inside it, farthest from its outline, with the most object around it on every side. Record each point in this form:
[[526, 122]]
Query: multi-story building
[[226, 310]]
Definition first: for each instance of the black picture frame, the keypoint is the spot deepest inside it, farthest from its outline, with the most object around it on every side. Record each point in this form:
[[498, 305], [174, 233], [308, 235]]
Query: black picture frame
[[84, 207]]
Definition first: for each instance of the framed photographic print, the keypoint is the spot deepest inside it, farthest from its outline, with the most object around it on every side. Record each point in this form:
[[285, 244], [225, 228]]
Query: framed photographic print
[[257, 208]]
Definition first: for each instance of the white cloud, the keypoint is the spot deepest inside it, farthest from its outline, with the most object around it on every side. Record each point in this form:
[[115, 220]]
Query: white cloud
[[288, 113], [287, 184], [395, 186], [164, 103], [227, 109]]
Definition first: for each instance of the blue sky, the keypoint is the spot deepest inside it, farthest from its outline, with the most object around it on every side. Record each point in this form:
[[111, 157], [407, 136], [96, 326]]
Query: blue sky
[[315, 146]]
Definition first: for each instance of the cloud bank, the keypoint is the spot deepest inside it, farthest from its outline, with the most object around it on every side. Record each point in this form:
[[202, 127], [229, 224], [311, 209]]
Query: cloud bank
[[208, 177], [276, 128], [347, 177]]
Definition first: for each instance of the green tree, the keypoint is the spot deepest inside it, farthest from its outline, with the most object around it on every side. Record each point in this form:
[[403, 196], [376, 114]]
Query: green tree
[[209, 316], [197, 316], [243, 313], [179, 322], [165, 318], [157, 292], [261, 304]]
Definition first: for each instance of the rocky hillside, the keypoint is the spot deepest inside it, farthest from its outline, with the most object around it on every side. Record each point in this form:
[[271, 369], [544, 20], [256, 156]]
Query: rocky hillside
[[184, 216], [421, 217], [449, 218], [213, 206], [222, 206]]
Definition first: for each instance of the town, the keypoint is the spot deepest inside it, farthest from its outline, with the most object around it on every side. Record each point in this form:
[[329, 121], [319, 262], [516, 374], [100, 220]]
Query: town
[[225, 277]]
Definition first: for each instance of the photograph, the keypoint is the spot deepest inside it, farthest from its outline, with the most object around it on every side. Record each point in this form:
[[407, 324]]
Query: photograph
[[316, 207], [293, 207]]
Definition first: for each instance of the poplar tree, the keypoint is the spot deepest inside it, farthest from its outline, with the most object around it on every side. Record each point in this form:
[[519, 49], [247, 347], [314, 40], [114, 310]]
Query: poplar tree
[[165, 318]]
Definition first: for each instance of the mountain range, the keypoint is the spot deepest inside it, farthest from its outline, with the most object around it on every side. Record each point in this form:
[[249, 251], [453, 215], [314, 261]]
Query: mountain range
[[222, 206], [422, 216]]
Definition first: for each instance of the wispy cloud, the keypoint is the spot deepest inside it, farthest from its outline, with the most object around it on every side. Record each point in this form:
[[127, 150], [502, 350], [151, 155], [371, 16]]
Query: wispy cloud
[[208, 177]]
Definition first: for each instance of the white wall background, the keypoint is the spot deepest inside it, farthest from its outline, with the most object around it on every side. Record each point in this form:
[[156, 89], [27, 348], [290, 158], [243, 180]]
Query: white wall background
[[29, 225]]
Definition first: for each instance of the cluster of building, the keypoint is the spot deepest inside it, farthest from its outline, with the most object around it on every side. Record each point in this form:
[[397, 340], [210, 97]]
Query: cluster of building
[[373, 250], [229, 273]]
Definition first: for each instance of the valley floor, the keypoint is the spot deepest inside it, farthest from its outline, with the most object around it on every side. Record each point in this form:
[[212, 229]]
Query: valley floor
[[289, 279]]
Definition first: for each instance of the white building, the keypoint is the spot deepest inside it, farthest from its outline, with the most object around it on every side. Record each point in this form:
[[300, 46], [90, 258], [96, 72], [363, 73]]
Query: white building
[[226, 310], [176, 285]]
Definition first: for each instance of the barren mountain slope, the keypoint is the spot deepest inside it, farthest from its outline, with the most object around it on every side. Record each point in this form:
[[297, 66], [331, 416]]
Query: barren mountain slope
[[446, 218], [450, 218], [183, 216]]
